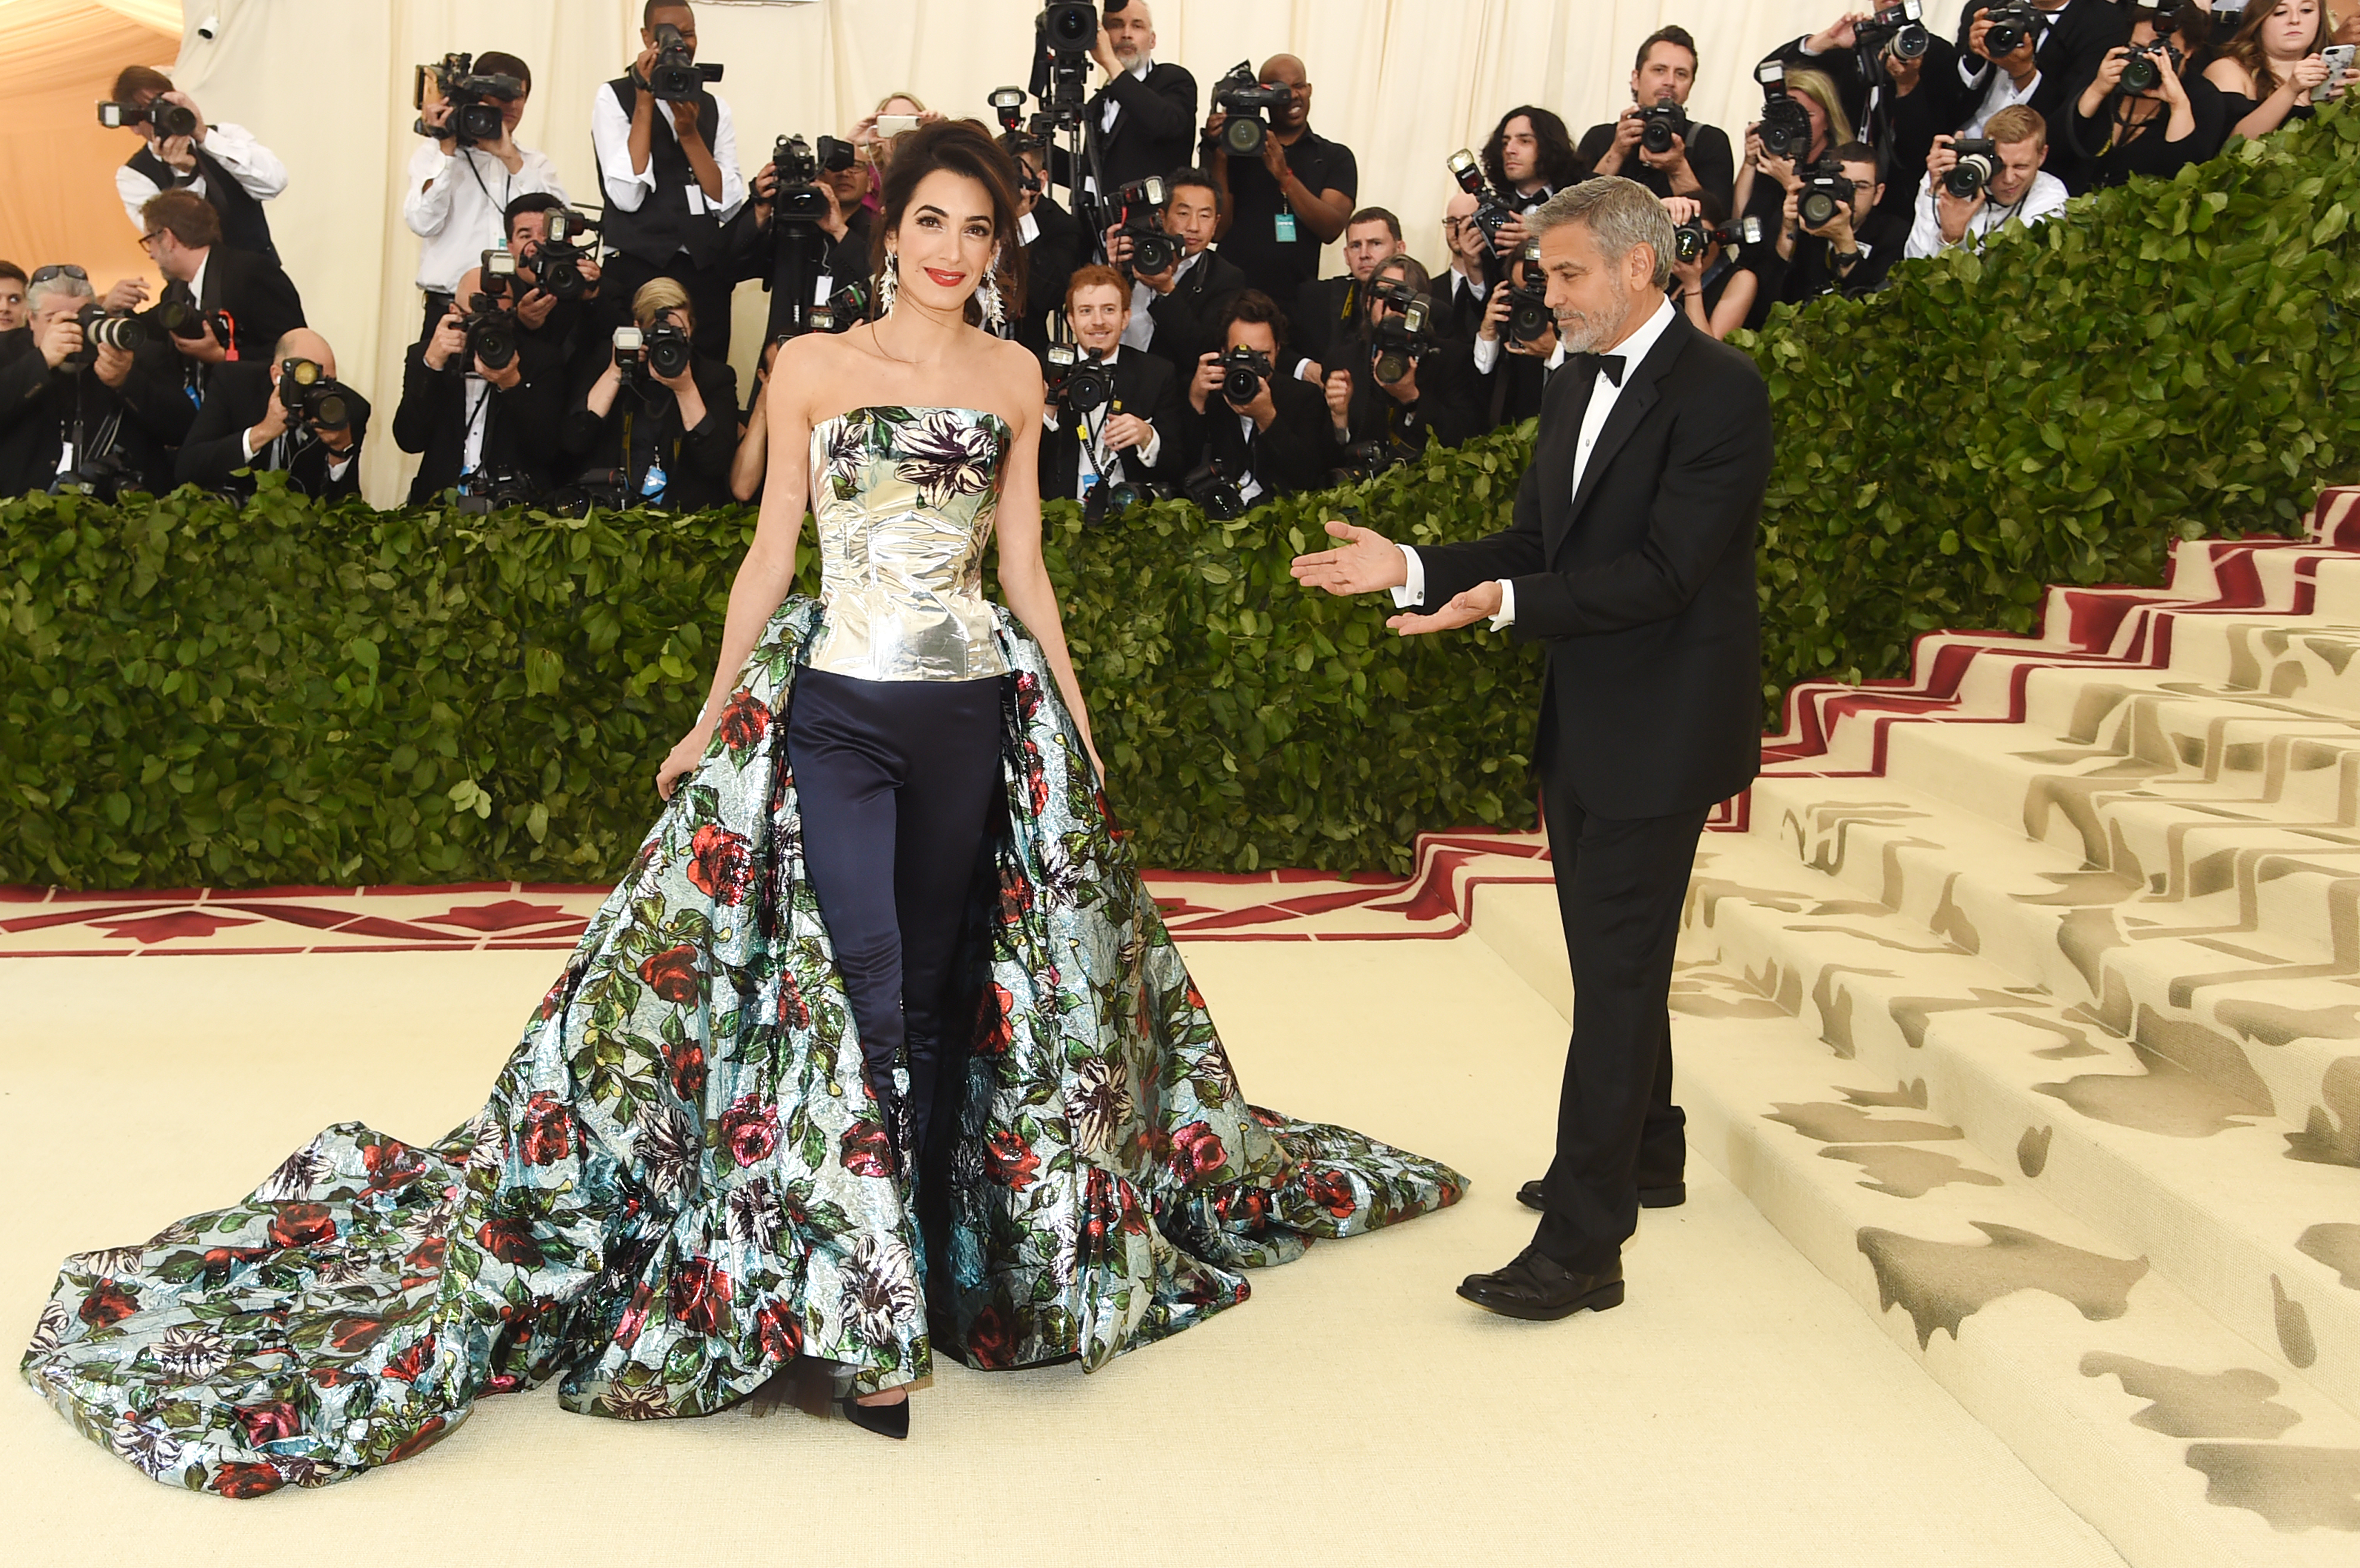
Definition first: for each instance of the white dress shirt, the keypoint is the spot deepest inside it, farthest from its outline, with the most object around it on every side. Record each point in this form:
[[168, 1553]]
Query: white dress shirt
[[610, 139], [1634, 349], [251, 164], [1113, 111], [1140, 332], [2044, 198], [458, 205], [1151, 451]]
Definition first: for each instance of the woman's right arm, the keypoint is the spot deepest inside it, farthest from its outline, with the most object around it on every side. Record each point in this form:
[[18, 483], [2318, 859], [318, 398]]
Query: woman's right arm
[[764, 576]]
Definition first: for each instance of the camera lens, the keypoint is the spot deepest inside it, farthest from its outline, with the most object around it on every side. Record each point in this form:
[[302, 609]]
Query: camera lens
[[494, 346], [1070, 27], [2141, 74], [331, 413], [1244, 136], [1911, 42], [668, 356], [1153, 253], [1242, 383]]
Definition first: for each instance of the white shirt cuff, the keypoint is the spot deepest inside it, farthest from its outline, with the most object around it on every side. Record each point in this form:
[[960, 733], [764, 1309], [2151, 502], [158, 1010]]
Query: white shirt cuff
[[1303, 372], [1151, 451], [246, 443], [1487, 355], [1507, 615], [1414, 590]]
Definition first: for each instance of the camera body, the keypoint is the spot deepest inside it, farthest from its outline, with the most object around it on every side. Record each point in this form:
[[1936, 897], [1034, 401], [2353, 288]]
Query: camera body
[[491, 331], [184, 321], [1079, 382], [1243, 371], [1661, 125], [1140, 205], [798, 165], [477, 101], [1492, 212], [170, 119], [1827, 192], [676, 76], [557, 261], [489, 489], [1214, 488], [668, 351], [1248, 103], [845, 308], [2011, 22], [1529, 317], [2143, 68], [1401, 335], [1696, 238], [312, 397], [1901, 34], [1978, 161]]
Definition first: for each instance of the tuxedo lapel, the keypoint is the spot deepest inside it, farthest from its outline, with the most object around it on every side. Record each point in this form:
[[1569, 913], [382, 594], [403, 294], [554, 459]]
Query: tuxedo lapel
[[1555, 443]]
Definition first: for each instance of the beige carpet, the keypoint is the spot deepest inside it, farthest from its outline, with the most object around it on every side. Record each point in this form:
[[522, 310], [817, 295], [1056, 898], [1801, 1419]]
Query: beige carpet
[[1741, 1410]]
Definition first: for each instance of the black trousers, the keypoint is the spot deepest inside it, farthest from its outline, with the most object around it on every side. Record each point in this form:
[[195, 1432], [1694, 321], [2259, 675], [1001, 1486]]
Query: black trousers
[[1620, 885], [708, 288], [896, 781]]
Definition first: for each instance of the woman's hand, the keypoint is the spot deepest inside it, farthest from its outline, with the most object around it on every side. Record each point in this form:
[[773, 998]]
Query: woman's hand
[[682, 760]]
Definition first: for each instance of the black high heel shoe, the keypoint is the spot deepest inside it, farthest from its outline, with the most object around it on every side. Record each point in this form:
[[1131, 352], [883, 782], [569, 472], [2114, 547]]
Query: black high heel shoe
[[885, 1421]]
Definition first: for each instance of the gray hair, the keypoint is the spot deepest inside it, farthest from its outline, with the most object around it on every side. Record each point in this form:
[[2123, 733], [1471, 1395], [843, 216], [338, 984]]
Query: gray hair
[[60, 283], [1623, 214]]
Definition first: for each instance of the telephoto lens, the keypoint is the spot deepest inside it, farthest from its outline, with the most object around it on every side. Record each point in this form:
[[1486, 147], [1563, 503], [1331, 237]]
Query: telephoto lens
[[1978, 161], [100, 330]]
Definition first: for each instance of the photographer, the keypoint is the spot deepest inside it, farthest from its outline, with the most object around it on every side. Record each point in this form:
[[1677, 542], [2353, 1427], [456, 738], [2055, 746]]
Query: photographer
[[1529, 158], [1766, 180], [1848, 252], [1698, 160], [1714, 290], [2014, 190], [1435, 392], [1274, 440], [1171, 310], [1465, 283], [246, 427], [224, 165], [2030, 54], [75, 413], [666, 439], [1278, 210], [1513, 372], [460, 191], [1052, 238], [1328, 308], [481, 400], [2270, 71], [671, 182], [1122, 440], [1899, 102], [557, 325], [1140, 123], [243, 289], [2147, 123]]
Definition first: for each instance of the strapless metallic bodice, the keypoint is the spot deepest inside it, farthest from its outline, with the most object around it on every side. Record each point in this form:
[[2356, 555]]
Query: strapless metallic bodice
[[903, 500]]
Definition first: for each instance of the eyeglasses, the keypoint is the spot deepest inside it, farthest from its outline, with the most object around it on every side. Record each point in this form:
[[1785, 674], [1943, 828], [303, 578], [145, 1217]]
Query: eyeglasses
[[148, 239], [67, 270]]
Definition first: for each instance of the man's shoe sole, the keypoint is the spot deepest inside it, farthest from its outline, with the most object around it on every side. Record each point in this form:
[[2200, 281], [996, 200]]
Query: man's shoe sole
[[1596, 1301], [1670, 1197]]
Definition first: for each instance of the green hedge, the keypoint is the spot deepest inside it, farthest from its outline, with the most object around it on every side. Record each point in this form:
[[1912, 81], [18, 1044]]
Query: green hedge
[[190, 693]]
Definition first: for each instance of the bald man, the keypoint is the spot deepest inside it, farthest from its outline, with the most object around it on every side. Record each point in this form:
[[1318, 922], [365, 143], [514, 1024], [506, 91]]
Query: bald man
[[1142, 120], [244, 429], [1278, 210]]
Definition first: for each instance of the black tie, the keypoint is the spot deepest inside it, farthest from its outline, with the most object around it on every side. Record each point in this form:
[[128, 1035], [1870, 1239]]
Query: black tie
[[1609, 365]]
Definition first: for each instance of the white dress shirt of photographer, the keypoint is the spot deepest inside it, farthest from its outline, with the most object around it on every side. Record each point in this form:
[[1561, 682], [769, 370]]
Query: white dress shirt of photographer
[[459, 196], [254, 166], [610, 134], [1097, 313], [2019, 191]]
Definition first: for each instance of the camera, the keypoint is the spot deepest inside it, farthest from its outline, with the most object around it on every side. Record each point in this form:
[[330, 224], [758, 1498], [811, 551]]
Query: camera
[[491, 331], [1066, 33], [1008, 104], [1900, 33], [557, 260], [1400, 335], [100, 330], [1367, 459], [676, 78], [2143, 68], [1786, 128], [668, 351], [1978, 161], [798, 197], [1214, 490], [1492, 213], [312, 397], [183, 319], [2011, 22], [1660, 126], [1529, 316], [1244, 370], [1142, 206], [103, 477], [489, 489], [1080, 383], [1827, 194], [1696, 238], [1247, 102], [845, 308], [170, 119], [476, 101], [1113, 498]]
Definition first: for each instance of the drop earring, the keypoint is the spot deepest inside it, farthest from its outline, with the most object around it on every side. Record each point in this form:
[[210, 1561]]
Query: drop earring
[[995, 309], [889, 283]]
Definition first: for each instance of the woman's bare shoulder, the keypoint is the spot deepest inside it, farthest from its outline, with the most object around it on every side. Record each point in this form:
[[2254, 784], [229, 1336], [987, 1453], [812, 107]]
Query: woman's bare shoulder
[[2231, 73], [1016, 373]]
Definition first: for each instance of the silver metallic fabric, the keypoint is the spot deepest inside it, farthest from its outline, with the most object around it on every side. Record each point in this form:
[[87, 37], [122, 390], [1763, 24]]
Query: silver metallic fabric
[[903, 500]]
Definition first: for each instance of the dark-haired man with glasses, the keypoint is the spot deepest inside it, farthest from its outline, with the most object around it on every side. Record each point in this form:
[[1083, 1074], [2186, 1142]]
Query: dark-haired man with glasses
[[183, 235]]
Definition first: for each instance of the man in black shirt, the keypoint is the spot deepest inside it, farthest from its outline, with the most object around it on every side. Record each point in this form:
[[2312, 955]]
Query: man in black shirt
[[474, 421], [1698, 163], [1052, 237], [1279, 210]]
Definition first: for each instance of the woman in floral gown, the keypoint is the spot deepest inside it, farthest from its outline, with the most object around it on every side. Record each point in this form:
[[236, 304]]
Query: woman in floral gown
[[699, 1167]]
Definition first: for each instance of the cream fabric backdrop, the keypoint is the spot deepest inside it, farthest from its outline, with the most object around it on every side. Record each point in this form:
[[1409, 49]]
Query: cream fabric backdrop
[[1403, 82]]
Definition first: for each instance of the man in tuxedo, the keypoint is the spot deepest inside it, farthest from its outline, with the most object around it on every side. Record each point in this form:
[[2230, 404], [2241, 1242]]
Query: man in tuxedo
[[1274, 442], [245, 425], [474, 420], [1052, 238], [184, 238], [2043, 69], [1326, 309], [74, 412], [1173, 311], [1460, 291], [1133, 437], [1143, 120], [1632, 558]]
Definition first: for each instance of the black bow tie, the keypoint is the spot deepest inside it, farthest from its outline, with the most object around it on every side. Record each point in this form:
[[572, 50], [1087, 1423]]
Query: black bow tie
[[1609, 365]]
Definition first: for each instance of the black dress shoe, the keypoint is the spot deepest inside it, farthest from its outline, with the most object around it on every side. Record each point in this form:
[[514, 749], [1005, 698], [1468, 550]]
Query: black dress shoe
[[1670, 1197], [1533, 1287], [885, 1421]]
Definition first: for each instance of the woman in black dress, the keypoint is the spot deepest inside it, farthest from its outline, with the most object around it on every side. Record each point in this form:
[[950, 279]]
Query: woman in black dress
[[2120, 128], [2271, 65]]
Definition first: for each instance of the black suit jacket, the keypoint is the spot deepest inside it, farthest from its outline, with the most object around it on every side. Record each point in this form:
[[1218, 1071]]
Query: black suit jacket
[[1292, 455], [1453, 402], [260, 299], [234, 403], [1641, 584], [2068, 55], [1184, 318], [522, 428], [1049, 264], [1144, 385], [1155, 133], [139, 422]]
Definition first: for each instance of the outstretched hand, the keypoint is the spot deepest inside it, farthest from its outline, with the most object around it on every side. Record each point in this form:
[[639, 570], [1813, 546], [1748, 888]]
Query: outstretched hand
[[1366, 562], [1480, 603]]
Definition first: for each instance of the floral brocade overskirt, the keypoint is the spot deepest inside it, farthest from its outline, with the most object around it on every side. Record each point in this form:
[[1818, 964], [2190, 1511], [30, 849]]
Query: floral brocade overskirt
[[681, 1181]]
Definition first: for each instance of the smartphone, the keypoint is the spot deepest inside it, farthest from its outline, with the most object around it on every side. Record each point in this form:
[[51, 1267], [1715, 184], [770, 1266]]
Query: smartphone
[[2339, 66], [896, 125]]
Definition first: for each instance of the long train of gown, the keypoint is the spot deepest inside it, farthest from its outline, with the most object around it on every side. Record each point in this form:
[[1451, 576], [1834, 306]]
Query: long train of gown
[[681, 1182]]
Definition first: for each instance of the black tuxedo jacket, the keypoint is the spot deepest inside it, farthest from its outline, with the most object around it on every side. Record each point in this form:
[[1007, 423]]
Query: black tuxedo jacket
[[1457, 313], [522, 428], [259, 299], [2078, 36], [1184, 318], [1292, 455], [1641, 584], [1144, 385], [1322, 311], [234, 403], [1155, 133]]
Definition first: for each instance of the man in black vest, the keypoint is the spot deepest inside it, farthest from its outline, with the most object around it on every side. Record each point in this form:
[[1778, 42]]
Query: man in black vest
[[493, 429], [224, 164], [182, 236], [1143, 120], [1632, 559], [1135, 435], [244, 429], [671, 182]]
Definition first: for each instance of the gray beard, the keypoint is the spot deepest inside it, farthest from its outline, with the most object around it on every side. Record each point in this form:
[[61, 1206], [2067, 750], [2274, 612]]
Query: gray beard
[[1592, 334]]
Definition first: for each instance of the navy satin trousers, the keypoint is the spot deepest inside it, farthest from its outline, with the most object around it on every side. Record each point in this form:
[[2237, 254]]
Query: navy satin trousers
[[897, 780]]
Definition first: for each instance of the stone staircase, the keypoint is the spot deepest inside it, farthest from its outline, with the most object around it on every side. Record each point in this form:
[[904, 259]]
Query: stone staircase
[[2023, 997]]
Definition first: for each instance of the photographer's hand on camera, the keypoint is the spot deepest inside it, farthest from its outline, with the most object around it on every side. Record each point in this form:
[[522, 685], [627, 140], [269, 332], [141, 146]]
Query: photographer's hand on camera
[[111, 365], [449, 342], [1955, 211], [62, 340], [1625, 144], [2018, 62], [272, 426]]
